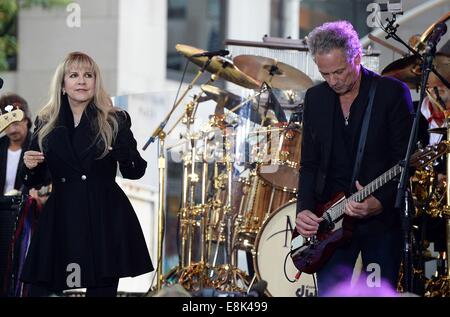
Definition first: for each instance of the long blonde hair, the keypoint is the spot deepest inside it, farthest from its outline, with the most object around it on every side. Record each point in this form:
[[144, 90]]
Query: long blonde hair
[[107, 125]]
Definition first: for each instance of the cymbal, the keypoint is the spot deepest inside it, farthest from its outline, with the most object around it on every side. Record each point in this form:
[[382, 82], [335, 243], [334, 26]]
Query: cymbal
[[219, 66], [442, 131], [407, 69], [273, 72], [223, 98]]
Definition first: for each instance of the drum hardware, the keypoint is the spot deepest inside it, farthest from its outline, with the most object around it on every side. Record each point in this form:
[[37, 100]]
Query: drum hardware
[[234, 103], [229, 278], [387, 45], [223, 98], [205, 63], [224, 224], [264, 88], [440, 286], [429, 196], [194, 216], [291, 96], [408, 69], [193, 278], [229, 209]]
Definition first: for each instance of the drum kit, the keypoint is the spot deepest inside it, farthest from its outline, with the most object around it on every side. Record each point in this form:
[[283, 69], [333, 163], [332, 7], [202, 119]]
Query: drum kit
[[241, 172], [240, 177]]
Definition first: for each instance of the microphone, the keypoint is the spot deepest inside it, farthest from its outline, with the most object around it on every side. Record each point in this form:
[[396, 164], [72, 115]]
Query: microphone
[[212, 53], [439, 30], [1, 83]]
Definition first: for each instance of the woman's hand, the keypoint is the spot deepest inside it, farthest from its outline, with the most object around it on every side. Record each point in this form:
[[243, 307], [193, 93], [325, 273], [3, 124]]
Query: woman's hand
[[31, 159]]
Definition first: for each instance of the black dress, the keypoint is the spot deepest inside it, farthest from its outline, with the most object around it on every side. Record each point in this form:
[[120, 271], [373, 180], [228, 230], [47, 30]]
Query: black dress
[[88, 226]]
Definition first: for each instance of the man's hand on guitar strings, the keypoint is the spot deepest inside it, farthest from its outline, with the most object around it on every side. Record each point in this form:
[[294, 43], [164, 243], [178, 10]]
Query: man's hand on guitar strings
[[367, 208]]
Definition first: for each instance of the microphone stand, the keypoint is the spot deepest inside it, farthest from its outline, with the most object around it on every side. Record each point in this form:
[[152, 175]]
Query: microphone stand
[[160, 134], [391, 30], [403, 199]]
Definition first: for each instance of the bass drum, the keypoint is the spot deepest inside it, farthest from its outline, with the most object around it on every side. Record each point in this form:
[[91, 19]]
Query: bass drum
[[272, 260]]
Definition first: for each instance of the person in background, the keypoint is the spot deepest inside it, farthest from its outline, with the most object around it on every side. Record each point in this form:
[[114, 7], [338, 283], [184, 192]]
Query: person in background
[[12, 145]]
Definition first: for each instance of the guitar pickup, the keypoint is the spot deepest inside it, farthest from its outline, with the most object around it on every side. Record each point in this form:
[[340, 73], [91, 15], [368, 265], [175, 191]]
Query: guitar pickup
[[296, 243]]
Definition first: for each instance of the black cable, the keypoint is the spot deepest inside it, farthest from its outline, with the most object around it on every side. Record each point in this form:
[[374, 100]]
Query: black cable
[[181, 83], [284, 268]]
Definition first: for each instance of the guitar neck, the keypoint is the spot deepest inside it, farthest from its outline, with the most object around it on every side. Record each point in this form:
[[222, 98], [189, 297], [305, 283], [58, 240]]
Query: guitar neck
[[337, 210]]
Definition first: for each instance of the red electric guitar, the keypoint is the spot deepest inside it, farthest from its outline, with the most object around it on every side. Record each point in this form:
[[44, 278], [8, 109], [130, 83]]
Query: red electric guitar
[[336, 228]]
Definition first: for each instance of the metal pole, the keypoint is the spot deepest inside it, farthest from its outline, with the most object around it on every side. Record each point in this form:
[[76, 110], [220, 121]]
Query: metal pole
[[161, 208]]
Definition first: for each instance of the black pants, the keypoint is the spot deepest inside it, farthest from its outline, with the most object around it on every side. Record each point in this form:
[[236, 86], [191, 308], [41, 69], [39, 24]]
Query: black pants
[[381, 257], [106, 291]]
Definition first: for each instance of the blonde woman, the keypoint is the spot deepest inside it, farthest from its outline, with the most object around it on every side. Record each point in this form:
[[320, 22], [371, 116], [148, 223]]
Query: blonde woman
[[88, 235]]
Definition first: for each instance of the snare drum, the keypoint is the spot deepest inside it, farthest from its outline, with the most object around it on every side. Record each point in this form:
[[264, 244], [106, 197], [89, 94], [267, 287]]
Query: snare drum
[[272, 260]]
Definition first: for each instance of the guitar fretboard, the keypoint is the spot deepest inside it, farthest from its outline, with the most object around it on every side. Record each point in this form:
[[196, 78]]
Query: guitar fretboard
[[337, 211]]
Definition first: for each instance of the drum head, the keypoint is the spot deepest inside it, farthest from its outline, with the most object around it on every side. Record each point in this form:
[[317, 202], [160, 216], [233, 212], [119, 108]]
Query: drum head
[[272, 260]]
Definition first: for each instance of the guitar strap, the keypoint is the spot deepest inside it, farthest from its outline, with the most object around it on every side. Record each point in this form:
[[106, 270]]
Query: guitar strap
[[364, 129]]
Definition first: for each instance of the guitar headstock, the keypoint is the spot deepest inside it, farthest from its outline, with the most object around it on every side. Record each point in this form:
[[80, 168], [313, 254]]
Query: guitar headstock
[[428, 154], [10, 117]]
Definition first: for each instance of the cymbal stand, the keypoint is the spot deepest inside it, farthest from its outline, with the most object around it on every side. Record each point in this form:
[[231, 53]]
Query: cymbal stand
[[224, 205], [162, 163], [204, 205], [190, 180], [226, 276], [264, 89], [192, 274], [391, 30]]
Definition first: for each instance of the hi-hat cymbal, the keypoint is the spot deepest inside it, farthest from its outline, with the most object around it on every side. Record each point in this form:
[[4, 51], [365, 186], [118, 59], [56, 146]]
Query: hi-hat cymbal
[[219, 66], [273, 72], [407, 69], [223, 98]]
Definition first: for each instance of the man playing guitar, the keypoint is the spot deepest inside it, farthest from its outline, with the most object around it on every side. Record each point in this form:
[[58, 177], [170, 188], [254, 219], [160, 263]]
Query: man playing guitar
[[333, 116]]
